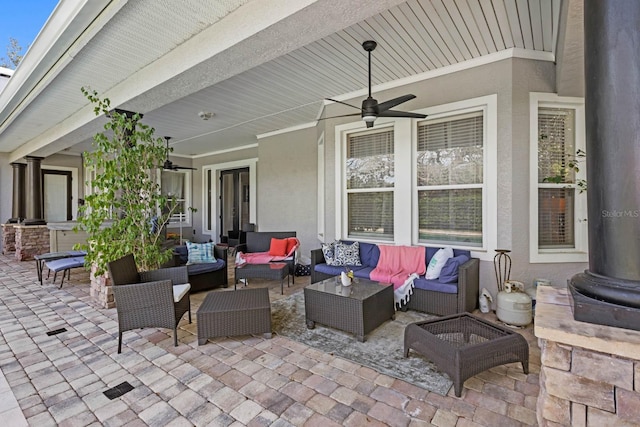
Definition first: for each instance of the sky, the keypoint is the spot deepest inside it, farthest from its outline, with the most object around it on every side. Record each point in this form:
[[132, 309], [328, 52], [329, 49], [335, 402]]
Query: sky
[[22, 20]]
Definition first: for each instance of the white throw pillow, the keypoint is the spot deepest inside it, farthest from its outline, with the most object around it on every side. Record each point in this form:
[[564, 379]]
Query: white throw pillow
[[437, 262]]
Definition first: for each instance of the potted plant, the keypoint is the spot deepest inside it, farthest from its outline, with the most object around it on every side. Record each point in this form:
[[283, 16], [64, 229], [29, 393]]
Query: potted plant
[[126, 211]]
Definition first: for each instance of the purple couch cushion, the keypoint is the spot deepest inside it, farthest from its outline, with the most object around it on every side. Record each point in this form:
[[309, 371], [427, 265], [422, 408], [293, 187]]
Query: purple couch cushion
[[335, 270], [435, 285], [369, 254], [449, 273]]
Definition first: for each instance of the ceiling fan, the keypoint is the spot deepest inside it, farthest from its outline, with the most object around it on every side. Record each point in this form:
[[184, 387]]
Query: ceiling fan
[[370, 109], [168, 164]]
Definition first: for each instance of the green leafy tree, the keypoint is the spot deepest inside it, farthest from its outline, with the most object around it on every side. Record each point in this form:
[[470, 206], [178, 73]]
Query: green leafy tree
[[569, 167], [126, 211], [14, 54]]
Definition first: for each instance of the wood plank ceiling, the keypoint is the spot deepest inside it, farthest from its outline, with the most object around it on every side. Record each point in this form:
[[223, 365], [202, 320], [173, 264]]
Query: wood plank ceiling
[[415, 37]]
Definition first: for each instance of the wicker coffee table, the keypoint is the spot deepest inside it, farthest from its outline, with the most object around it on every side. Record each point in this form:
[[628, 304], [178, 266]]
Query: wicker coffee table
[[230, 313], [271, 271], [463, 345], [358, 310]]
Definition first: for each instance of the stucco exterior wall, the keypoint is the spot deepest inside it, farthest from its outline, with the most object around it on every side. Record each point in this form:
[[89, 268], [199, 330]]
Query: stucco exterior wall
[[287, 177]]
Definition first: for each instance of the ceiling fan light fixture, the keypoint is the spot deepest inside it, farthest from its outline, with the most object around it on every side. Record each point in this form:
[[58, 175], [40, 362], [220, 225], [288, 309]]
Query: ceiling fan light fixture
[[369, 119]]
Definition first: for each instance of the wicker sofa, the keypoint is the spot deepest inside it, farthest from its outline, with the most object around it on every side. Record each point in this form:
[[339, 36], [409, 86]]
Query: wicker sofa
[[204, 277], [429, 296], [260, 241]]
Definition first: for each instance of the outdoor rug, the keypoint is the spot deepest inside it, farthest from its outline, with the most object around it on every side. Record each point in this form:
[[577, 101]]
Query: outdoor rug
[[382, 350]]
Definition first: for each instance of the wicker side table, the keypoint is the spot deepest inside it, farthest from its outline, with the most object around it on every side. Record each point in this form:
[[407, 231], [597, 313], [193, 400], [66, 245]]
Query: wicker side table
[[226, 313], [270, 271], [463, 345]]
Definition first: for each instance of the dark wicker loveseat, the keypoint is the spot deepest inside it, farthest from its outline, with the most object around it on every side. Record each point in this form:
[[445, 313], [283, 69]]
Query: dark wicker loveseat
[[204, 277], [440, 299], [260, 241]]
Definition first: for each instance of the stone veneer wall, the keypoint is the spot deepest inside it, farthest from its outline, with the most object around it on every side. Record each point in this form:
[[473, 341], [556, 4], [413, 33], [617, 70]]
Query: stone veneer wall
[[8, 238], [101, 289], [31, 240], [590, 374]]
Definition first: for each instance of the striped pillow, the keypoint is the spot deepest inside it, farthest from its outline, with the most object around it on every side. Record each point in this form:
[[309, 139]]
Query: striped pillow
[[200, 253]]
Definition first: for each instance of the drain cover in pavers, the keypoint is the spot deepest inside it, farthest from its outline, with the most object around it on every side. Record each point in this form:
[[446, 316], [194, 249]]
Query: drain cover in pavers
[[118, 390], [56, 331]]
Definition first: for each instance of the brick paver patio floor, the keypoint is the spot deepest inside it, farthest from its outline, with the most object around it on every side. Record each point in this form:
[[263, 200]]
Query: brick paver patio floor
[[60, 379]]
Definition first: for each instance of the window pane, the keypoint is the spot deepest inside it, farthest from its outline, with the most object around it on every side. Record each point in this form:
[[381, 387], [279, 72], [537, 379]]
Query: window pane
[[371, 215], [451, 151], [450, 216], [370, 160], [555, 218], [556, 144], [172, 185]]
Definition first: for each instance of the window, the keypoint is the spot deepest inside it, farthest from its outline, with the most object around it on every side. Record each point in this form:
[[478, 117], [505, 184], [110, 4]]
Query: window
[[177, 184], [449, 165], [370, 183], [430, 182], [558, 232]]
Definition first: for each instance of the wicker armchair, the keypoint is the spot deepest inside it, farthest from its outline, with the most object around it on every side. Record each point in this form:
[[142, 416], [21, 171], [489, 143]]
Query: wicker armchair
[[147, 299]]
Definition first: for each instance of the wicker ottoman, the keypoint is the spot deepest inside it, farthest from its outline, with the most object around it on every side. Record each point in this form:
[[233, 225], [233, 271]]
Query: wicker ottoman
[[463, 345], [229, 313]]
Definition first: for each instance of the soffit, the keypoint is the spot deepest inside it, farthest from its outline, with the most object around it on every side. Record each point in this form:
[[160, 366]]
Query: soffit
[[414, 37]]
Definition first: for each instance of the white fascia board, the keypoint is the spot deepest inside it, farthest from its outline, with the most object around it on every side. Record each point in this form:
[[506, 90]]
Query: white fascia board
[[54, 47]]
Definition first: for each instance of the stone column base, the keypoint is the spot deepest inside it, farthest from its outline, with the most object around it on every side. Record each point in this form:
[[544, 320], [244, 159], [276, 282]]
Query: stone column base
[[8, 238], [101, 289], [590, 374], [31, 240]]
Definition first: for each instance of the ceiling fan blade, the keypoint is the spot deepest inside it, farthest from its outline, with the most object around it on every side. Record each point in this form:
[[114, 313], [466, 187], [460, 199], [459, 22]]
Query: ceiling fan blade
[[176, 167], [343, 103], [393, 113], [393, 102], [335, 117]]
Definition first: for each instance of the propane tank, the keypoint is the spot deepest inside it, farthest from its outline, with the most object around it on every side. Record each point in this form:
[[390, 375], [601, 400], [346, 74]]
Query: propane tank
[[513, 304]]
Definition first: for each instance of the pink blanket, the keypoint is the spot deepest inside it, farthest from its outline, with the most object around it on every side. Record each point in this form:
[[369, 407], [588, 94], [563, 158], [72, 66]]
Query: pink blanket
[[259, 258], [397, 263]]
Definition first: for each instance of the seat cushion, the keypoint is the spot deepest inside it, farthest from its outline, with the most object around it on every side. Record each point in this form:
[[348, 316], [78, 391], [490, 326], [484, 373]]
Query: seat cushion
[[179, 291], [195, 269], [335, 270], [65, 263], [435, 285]]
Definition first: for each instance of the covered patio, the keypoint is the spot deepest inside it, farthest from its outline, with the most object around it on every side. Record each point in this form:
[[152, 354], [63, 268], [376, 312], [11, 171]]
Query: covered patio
[[60, 379], [241, 92]]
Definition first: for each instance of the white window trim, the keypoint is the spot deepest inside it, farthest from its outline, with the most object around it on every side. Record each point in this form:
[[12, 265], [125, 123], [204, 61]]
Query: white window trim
[[320, 189], [405, 189], [188, 215], [215, 192], [580, 252]]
